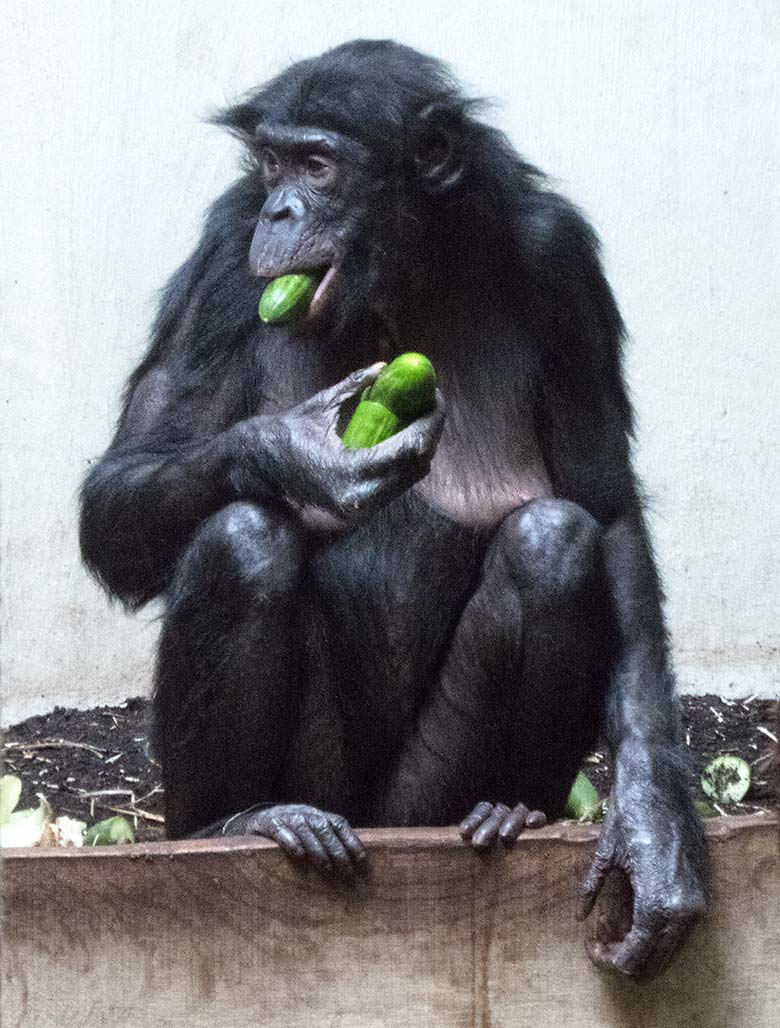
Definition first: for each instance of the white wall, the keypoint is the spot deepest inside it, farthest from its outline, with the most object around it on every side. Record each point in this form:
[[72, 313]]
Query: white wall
[[659, 118]]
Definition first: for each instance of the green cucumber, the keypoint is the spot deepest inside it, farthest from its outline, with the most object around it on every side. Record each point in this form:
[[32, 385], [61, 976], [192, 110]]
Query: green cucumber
[[583, 802], [404, 390], [371, 423], [288, 297], [109, 832], [726, 779]]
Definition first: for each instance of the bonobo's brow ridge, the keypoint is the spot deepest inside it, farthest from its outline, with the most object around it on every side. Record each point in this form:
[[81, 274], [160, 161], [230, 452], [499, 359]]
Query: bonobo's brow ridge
[[308, 138]]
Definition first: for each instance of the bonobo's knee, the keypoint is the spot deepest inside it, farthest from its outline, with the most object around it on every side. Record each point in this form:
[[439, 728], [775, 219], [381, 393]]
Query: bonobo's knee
[[550, 544], [244, 546]]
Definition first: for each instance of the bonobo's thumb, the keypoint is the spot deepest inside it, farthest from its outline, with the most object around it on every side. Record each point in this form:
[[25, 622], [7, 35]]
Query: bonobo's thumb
[[592, 885]]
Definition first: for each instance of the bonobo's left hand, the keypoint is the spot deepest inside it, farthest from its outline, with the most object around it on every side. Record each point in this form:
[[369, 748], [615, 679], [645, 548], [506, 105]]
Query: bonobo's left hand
[[652, 834], [307, 834]]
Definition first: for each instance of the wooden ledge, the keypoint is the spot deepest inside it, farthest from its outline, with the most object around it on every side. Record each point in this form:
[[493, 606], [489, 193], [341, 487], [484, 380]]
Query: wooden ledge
[[212, 933], [388, 840]]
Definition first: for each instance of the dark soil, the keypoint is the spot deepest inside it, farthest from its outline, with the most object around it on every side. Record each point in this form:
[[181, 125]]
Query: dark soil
[[91, 763]]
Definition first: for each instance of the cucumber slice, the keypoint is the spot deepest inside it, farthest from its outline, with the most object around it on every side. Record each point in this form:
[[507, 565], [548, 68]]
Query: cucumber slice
[[726, 779], [583, 803], [109, 832]]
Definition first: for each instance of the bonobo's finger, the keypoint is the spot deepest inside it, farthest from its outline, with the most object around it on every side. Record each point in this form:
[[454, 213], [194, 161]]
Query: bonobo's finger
[[335, 848], [352, 843], [643, 953], [335, 395], [429, 426], [315, 851], [288, 841], [592, 884], [469, 824], [487, 833], [414, 443], [513, 823], [363, 496], [669, 940]]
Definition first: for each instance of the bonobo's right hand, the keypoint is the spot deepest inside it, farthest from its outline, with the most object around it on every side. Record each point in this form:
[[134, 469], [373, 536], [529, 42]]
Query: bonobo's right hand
[[300, 454]]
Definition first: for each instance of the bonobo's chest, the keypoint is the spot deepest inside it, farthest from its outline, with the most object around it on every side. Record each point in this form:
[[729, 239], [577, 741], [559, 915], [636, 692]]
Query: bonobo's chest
[[484, 468]]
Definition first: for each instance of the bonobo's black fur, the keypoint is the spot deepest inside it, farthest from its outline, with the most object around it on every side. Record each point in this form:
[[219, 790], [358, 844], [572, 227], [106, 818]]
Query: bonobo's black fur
[[440, 624]]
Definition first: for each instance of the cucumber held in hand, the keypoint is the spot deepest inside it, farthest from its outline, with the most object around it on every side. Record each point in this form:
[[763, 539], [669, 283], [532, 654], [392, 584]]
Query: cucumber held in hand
[[288, 297], [404, 391]]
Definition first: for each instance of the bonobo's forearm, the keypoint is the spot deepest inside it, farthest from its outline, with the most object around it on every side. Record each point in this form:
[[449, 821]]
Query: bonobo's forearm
[[142, 502], [651, 832], [641, 704]]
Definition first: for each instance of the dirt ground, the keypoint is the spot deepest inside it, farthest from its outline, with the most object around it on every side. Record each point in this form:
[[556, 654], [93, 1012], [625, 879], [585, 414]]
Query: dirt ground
[[90, 763]]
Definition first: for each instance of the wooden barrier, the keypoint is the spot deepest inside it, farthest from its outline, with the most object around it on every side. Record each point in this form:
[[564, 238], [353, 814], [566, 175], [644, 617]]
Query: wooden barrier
[[227, 934]]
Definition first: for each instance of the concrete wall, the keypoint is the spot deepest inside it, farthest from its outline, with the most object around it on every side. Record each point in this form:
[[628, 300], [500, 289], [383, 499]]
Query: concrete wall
[[659, 118]]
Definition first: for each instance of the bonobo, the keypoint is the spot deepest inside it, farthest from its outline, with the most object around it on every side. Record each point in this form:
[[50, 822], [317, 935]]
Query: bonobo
[[435, 629]]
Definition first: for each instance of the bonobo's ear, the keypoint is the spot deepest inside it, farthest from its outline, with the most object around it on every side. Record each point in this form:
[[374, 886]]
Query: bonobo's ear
[[437, 148]]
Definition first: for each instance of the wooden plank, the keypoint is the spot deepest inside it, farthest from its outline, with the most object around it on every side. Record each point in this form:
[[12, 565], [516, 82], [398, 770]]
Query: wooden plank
[[208, 934]]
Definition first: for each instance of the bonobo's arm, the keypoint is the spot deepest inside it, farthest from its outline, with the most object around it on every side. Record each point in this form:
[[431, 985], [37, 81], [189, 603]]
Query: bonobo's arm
[[151, 488], [652, 831], [159, 480]]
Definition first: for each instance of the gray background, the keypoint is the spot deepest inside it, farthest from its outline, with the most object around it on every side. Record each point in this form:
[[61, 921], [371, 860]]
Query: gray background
[[660, 119]]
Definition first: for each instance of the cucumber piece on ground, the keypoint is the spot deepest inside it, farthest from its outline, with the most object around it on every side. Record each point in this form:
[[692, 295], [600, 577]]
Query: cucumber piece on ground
[[109, 832], [584, 803], [726, 779]]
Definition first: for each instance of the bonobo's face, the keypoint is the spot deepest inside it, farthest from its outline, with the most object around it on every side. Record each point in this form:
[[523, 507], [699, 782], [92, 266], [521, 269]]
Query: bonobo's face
[[317, 183]]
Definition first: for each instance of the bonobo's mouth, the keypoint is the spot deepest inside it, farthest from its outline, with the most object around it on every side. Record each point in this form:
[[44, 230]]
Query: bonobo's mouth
[[323, 274]]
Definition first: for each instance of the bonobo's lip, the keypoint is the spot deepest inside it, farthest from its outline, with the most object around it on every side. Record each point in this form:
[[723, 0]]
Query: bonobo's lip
[[319, 298]]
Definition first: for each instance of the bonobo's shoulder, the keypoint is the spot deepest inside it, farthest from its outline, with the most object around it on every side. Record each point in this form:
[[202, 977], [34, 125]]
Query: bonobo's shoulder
[[553, 227]]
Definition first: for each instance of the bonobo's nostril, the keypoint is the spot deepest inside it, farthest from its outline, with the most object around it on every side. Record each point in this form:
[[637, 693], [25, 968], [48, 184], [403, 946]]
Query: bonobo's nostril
[[281, 205], [279, 213]]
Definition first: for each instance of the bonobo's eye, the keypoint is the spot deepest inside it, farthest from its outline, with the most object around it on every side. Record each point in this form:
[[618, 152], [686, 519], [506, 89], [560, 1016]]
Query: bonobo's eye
[[319, 170], [269, 162]]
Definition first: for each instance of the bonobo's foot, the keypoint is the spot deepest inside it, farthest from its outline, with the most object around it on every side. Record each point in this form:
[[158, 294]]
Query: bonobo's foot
[[488, 822], [304, 833]]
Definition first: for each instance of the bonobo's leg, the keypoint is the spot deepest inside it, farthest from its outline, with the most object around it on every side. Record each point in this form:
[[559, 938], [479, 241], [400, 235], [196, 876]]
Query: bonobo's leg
[[520, 694], [227, 674]]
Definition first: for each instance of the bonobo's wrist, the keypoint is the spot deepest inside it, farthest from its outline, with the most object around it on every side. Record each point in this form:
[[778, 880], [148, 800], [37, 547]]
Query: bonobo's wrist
[[651, 775], [252, 464], [239, 823], [207, 471], [637, 751]]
